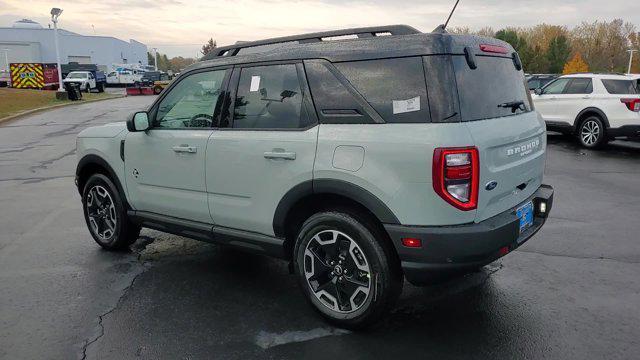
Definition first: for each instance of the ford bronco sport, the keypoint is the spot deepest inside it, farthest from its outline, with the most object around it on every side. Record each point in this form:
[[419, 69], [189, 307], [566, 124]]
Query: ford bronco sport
[[389, 154]]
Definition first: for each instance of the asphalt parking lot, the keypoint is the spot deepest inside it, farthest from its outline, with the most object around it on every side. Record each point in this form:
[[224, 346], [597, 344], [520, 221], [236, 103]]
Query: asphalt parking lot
[[572, 292]]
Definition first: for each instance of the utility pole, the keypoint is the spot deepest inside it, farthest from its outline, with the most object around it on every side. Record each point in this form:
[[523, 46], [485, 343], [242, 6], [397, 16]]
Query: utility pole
[[55, 13], [6, 58], [630, 51], [155, 58]]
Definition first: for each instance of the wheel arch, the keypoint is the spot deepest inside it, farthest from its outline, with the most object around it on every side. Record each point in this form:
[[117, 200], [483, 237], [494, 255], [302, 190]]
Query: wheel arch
[[310, 196], [587, 112], [91, 164]]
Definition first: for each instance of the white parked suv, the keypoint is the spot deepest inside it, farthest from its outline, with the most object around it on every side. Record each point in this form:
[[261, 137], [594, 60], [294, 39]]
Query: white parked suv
[[360, 161], [594, 107]]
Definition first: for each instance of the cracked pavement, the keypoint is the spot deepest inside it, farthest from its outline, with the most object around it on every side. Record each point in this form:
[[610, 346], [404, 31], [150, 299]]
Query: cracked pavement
[[571, 292]]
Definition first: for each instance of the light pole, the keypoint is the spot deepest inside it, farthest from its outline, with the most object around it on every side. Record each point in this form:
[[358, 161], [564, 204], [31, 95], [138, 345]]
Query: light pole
[[155, 58], [6, 58], [630, 51], [55, 13]]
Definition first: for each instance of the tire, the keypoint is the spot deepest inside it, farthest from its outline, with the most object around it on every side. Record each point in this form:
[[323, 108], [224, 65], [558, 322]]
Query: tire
[[157, 90], [106, 215], [87, 88], [368, 273], [592, 133], [100, 87]]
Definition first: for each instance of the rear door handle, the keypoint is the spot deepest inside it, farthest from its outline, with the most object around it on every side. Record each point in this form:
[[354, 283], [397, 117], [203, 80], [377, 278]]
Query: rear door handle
[[185, 149], [280, 155]]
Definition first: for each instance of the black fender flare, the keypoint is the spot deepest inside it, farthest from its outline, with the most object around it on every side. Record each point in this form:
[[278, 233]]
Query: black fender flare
[[594, 110], [92, 159], [334, 187]]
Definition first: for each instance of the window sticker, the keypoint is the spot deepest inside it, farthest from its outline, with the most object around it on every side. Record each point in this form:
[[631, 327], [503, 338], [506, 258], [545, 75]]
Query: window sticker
[[255, 83], [405, 106]]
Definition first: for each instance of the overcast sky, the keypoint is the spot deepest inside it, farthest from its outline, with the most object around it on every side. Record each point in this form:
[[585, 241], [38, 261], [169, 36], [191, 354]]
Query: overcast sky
[[180, 27]]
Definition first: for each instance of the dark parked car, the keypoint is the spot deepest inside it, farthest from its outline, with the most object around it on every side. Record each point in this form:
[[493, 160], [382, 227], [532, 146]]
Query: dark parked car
[[537, 81]]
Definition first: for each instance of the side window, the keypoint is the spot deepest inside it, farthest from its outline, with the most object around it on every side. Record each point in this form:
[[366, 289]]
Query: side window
[[579, 86], [191, 103], [556, 87], [269, 97], [620, 87], [395, 88]]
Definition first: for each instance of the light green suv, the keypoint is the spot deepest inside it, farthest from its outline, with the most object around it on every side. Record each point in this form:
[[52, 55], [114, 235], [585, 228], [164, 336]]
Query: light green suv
[[360, 161]]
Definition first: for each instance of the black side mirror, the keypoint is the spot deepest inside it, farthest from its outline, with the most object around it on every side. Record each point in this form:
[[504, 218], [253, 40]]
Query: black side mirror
[[138, 121], [538, 91]]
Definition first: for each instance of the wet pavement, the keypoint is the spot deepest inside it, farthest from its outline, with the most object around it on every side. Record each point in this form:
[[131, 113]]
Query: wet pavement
[[572, 292]]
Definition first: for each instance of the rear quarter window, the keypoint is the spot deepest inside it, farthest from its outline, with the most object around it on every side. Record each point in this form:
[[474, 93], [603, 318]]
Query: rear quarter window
[[395, 88], [620, 87], [494, 82]]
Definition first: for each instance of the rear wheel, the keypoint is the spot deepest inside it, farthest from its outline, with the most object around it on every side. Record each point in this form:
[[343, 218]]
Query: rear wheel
[[157, 90], [105, 214], [346, 270], [592, 133]]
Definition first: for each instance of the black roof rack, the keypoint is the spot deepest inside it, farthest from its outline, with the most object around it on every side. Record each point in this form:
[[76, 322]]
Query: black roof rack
[[364, 32]]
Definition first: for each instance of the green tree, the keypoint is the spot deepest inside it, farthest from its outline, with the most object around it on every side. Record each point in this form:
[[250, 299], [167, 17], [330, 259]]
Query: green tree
[[209, 47], [150, 59], [519, 44], [557, 54]]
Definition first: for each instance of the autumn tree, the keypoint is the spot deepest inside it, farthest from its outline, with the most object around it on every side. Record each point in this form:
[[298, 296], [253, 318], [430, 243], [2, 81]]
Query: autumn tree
[[209, 47], [575, 65]]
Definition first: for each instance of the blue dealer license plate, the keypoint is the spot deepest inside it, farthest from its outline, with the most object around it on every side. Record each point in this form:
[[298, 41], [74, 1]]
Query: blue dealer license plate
[[525, 214]]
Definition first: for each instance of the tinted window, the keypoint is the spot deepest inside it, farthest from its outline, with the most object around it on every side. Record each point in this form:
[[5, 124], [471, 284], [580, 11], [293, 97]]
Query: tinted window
[[443, 96], [335, 103], [191, 103], [579, 86], [620, 86], [556, 87], [395, 88], [269, 97], [489, 90]]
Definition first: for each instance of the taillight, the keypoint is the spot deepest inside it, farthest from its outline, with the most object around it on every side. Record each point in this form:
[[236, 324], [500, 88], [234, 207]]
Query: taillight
[[493, 49], [632, 104], [456, 176]]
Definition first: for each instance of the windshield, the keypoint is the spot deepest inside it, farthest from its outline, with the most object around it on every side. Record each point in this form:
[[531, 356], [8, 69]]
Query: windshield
[[77, 75], [494, 89]]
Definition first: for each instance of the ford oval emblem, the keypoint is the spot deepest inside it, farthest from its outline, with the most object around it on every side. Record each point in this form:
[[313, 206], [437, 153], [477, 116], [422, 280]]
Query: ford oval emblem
[[491, 185]]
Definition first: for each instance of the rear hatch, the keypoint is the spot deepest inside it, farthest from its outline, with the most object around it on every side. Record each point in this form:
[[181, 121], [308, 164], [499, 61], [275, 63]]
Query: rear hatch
[[496, 108]]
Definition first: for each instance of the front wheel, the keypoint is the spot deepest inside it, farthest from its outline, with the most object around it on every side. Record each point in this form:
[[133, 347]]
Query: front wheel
[[592, 133], [346, 269], [106, 216]]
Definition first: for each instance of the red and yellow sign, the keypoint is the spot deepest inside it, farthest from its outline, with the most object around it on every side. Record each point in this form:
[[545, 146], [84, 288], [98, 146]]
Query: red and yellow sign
[[26, 76]]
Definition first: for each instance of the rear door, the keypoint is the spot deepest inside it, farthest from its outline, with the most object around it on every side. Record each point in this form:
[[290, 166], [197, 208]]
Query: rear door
[[509, 135], [266, 146]]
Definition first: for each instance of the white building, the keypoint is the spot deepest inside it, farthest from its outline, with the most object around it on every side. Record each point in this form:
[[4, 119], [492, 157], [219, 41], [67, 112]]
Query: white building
[[29, 42]]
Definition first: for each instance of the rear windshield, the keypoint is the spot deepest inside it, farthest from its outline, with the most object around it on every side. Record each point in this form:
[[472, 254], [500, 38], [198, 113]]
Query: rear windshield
[[494, 89], [620, 86]]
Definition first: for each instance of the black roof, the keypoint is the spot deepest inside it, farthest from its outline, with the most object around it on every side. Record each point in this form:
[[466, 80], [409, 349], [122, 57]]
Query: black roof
[[400, 41]]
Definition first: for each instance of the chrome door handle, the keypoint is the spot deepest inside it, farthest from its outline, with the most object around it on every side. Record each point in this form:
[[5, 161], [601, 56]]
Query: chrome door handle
[[280, 155], [185, 149]]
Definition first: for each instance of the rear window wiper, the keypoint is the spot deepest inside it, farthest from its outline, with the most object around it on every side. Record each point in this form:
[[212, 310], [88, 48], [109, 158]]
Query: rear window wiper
[[513, 105]]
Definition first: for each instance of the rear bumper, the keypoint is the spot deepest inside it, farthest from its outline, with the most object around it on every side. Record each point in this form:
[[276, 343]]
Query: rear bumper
[[456, 249]]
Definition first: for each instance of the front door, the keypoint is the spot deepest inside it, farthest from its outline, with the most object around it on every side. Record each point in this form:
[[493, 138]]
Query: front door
[[548, 103], [165, 165], [266, 149]]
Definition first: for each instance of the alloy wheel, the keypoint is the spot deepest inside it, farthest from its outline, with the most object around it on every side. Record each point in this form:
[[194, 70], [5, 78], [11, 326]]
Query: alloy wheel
[[590, 132], [101, 212], [337, 271]]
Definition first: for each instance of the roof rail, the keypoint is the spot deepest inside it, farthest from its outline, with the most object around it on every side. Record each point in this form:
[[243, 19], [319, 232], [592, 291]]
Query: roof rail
[[364, 32]]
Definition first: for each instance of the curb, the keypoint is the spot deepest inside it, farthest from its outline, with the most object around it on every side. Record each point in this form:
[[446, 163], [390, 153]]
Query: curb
[[41, 109]]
